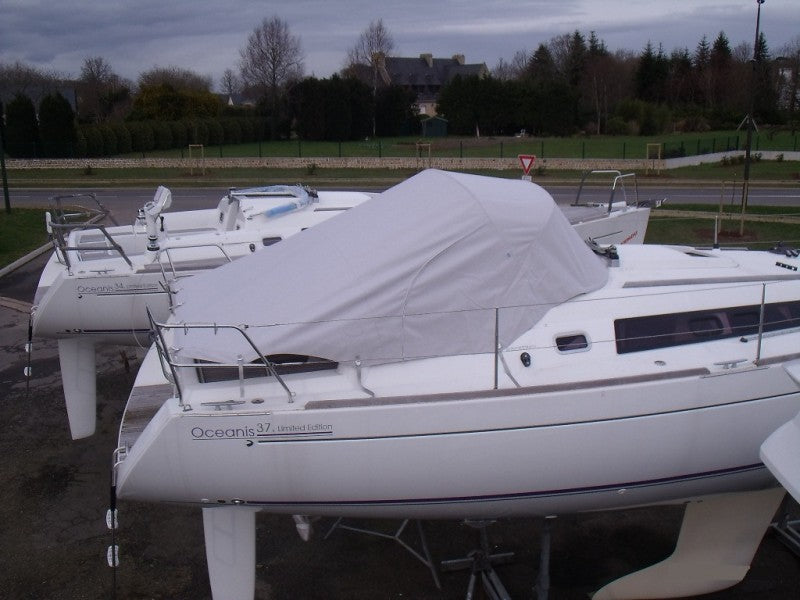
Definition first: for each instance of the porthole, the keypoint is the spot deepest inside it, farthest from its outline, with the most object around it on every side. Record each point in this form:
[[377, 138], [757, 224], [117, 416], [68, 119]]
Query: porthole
[[572, 342]]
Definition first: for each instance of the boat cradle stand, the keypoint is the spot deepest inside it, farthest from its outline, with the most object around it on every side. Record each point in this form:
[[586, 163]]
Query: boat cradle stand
[[789, 532], [481, 563], [424, 556]]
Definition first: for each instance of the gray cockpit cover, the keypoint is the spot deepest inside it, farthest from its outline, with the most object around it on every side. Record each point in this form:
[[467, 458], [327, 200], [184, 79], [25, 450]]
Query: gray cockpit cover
[[417, 271]]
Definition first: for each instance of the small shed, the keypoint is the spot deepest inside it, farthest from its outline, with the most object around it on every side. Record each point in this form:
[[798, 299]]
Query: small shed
[[434, 127]]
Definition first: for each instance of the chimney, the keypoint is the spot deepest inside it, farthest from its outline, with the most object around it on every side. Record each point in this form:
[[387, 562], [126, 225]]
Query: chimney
[[459, 58], [428, 58]]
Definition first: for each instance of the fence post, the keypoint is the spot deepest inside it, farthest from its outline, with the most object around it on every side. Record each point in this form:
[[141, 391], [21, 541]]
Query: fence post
[[501, 149], [623, 150], [542, 152]]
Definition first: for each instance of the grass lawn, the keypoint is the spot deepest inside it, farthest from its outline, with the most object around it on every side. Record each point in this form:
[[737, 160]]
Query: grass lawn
[[20, 232], [785, 172], [578, 146], [700, 232]]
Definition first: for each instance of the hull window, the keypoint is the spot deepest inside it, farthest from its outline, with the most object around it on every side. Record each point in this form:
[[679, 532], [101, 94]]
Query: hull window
[[676, 329]]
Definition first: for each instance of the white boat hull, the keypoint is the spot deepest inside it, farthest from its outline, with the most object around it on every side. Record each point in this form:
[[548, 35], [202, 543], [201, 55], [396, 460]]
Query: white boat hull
[[489, 456]]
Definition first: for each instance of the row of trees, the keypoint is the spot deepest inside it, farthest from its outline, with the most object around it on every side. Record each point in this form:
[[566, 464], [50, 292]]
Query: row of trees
[[573, 84], [332, 109], [568, 84]]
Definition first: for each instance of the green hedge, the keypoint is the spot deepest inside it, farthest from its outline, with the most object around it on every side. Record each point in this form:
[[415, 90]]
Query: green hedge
[[113, 139]]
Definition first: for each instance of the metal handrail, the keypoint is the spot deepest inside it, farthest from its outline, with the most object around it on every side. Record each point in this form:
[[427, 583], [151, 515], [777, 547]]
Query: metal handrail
[[171, 365], [166, 357], [62, 246], [62, 217], [61, 221], [166, 251], [618, 177]]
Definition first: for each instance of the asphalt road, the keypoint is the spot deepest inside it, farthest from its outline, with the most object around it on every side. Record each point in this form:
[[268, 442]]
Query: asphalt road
[[54, 494], [124, 202]]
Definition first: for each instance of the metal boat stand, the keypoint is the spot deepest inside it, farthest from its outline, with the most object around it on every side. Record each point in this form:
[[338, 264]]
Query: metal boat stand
[[424, 556], [481, 563], [542, 586], [789, 532]]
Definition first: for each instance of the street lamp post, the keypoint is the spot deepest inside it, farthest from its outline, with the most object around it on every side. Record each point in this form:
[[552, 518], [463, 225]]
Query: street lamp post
[[3, 159], [749, 142]]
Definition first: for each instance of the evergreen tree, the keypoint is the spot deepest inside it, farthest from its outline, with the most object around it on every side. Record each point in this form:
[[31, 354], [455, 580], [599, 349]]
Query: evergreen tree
[[22, 130], [702, 72], [394, 113], [597, 47], [651, 75], [542, 66], [720, 63], [57, 126], [765, 94]]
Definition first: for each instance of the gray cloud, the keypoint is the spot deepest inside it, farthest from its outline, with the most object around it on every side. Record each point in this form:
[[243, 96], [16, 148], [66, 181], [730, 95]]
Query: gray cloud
[[206, 35]]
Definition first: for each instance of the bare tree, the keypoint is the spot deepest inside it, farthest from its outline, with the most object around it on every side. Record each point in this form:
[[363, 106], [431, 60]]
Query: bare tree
[[95, 69], [373, 42], [230, 82], [100, 91], [789, 74], [743, 52], [20, 78], [513, 69], [272, 58]]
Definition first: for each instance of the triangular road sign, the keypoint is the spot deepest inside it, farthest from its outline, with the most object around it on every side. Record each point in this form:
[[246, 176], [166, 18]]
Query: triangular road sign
[[526, 160]]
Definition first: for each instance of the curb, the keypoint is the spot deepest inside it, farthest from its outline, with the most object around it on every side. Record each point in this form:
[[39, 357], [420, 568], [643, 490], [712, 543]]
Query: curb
[[13, 304], [25, 259]]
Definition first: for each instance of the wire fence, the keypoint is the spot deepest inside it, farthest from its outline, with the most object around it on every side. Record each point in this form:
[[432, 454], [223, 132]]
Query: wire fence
[[447, 147]]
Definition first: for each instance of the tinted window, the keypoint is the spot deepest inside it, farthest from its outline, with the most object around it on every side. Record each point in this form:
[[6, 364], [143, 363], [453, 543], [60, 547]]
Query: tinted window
[[675, 329]]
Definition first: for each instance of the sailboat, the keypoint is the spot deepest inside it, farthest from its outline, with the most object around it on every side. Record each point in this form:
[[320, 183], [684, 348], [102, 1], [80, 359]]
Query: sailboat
[[100, 281], [453, 349]]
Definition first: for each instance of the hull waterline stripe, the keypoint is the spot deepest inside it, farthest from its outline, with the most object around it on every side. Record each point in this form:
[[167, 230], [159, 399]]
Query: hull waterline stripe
[[531, 495]]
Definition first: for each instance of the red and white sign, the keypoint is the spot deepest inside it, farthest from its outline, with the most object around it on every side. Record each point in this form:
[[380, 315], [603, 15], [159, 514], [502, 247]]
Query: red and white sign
[[526, 160]]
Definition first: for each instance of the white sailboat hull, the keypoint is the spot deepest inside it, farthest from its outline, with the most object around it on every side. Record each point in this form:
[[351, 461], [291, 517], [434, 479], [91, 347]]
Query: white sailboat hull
[[483, 455]]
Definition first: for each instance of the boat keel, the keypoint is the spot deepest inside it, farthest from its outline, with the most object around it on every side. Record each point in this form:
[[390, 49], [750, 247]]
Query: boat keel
[[78, 377], [780, 452], [719, 537], [230, 535]]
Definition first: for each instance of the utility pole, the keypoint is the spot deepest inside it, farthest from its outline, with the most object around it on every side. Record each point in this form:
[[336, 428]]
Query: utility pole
[[750, 124], [3, 158]]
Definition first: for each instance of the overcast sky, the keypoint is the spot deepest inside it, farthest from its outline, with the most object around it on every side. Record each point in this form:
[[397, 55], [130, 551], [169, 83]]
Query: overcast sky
[[206, 35]]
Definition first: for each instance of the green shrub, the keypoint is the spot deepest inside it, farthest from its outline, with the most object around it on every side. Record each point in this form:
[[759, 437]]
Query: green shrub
[[124, 143], [110, 147], [142, 137], [94, 141]]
